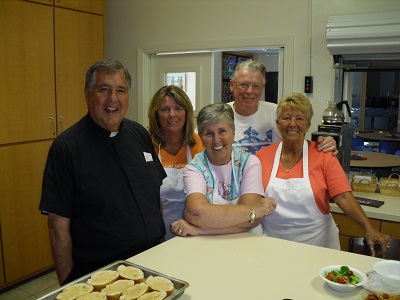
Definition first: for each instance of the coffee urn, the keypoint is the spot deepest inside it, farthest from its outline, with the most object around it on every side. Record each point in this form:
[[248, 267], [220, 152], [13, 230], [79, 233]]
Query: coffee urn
[[334, 125]]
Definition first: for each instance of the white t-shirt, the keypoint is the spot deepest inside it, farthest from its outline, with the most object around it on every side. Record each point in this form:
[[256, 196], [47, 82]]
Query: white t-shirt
[[195, 182], [258, 130]]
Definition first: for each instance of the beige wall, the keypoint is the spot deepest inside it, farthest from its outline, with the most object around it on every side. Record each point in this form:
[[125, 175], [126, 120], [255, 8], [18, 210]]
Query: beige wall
[[137, 26]]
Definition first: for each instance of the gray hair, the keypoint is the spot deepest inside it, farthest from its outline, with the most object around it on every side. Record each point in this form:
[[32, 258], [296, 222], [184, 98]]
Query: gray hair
[[109, 66], [252, 66], [214, 113]]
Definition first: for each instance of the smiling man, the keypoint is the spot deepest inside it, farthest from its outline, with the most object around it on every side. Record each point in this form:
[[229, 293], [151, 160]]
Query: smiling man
[[255, 125], [101, 184]]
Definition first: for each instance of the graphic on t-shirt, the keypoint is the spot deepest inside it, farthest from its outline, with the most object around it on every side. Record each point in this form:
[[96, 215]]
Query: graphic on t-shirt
[[224, 190], [252, 143]]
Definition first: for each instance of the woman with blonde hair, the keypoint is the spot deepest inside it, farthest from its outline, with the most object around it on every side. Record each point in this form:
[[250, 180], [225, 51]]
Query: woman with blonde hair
[[302, 180]]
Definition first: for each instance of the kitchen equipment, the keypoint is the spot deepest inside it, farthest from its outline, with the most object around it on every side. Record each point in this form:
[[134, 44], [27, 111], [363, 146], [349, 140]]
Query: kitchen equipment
[[389, 270], [333, 114], [342, 133], [334, 125], [376, 284], [179, 285]]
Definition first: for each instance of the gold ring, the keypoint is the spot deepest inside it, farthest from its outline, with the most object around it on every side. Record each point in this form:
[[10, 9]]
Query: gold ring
[[388, 246], [179, 231]]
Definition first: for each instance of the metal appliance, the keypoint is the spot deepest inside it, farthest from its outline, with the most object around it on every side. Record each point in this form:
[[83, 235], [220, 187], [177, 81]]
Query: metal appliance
[[333, 125]]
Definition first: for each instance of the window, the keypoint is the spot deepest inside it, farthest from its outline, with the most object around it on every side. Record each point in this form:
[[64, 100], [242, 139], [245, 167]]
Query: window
[[374, 98], [186, 81]]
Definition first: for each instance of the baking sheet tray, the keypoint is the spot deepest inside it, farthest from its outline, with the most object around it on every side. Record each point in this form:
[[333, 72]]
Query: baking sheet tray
[[179, 285]]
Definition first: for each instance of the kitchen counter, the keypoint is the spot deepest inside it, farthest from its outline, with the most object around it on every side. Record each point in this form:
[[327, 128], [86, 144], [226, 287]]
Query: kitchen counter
[[246, 266], [389, 211]]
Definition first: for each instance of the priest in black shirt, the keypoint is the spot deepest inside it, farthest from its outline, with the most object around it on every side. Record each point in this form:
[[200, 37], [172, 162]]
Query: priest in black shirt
[[101, 184]]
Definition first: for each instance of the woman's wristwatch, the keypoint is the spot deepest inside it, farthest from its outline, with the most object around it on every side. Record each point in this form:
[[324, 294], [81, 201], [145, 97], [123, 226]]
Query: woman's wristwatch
[[252, 215]]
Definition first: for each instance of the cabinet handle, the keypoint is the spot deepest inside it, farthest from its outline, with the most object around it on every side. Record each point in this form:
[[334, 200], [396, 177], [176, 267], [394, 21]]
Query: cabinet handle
[[54, 125], [61, 123]]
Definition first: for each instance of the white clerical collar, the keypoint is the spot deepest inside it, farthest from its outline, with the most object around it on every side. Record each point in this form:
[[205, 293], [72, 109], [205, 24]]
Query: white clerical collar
[[114, 133]]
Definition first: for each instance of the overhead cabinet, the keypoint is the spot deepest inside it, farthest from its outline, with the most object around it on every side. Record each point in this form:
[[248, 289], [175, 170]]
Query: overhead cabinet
[[45, 49], [27, 77], [92, 6], [45, 52]]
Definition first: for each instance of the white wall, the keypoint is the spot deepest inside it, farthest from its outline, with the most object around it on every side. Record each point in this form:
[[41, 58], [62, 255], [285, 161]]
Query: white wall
[[136, 26]]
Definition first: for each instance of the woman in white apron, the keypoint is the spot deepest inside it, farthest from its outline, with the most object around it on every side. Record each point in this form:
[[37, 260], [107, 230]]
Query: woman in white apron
[[302, 180], [223, 184], [172, 195], [172, 130]]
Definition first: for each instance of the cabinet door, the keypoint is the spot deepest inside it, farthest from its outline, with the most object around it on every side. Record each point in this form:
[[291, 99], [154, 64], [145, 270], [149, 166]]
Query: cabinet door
[[25, 237], [2, 281], [93, 6], [348, 227], [391, 228], [48, 2], [79, 40], [27, 71]]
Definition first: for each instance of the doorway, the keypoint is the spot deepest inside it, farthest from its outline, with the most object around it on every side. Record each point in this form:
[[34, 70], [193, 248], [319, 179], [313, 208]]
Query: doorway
[[374, 98], [208, 69], [145, 53]]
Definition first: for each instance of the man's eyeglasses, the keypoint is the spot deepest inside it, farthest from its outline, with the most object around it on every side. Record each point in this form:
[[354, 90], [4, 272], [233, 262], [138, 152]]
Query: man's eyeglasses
[[245, 86]]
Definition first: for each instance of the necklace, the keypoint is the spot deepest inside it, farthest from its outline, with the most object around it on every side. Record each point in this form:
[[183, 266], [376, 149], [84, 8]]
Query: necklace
[[296, 161]]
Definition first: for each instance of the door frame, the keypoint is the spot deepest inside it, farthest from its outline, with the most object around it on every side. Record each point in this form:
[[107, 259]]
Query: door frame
[[144, 53]]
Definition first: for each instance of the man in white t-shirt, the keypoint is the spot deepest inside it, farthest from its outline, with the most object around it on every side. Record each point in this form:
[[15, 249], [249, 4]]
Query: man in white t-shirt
[[255, 120]]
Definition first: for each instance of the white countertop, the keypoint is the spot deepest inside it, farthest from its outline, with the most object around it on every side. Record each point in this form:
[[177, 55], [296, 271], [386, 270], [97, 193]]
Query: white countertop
[[246, 266], [389, 211]]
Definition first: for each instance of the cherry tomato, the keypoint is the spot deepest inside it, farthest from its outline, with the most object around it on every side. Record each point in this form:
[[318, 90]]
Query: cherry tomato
[[342, 280], [330, 276]]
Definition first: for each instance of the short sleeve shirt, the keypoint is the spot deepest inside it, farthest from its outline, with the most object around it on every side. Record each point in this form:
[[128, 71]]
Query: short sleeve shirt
[[108, 187], [258, 130]]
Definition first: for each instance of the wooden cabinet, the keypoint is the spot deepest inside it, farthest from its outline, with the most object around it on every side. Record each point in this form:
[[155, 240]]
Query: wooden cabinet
[[348, 227], [51, 43], [93, 6], [73, 59], [24, 234], [45, 49], [2, 280], [391, 228], [27, 72]]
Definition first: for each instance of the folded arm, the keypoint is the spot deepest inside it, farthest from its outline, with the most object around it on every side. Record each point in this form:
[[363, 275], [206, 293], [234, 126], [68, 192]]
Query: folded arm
[[201, 217]]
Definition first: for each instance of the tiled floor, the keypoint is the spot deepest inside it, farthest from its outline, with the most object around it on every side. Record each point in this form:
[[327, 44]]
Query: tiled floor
[[33, 289]]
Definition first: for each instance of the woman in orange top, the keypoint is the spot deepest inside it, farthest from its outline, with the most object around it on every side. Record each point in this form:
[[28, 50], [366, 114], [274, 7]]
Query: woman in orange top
[[171, 127], [303, 179]]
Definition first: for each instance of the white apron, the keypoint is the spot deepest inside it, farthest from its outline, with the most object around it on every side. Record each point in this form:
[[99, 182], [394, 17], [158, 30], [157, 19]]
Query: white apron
[[217, 199], [172, 195], [297, 217]]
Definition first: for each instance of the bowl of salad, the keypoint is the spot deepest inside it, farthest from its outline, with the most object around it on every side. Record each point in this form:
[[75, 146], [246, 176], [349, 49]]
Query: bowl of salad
[[342, 278]]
